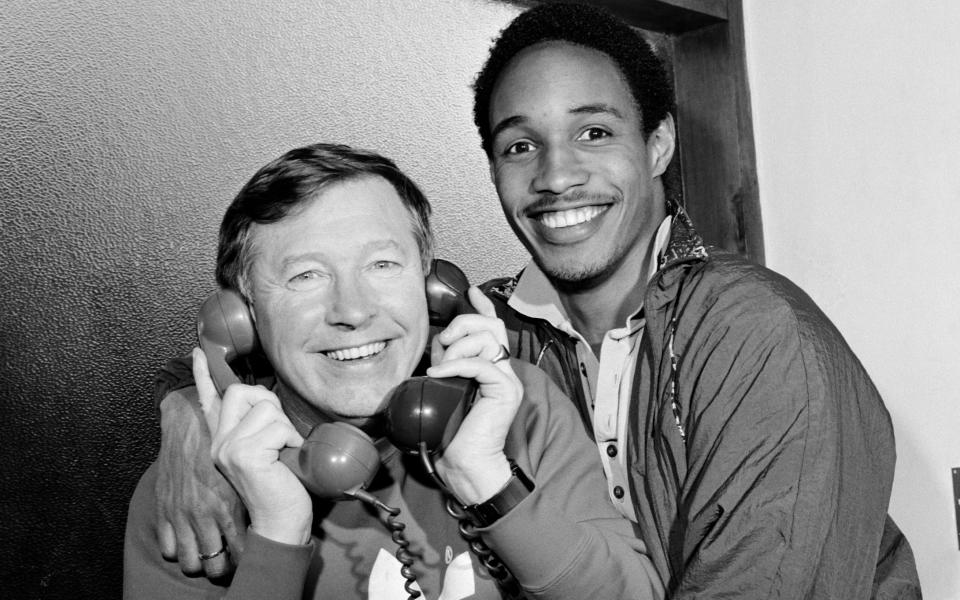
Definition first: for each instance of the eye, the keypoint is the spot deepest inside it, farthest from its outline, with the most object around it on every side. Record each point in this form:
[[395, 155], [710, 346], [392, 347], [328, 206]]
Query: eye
[[520, 147], [385, 267], [305, 281], [592, 134]]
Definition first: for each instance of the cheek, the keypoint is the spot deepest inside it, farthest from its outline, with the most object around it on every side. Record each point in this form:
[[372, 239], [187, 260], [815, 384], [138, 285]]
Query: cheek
[[280, 325], [510, 182]]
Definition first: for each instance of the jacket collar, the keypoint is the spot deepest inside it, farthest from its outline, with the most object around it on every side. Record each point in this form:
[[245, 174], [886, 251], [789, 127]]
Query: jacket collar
[[685, 242]]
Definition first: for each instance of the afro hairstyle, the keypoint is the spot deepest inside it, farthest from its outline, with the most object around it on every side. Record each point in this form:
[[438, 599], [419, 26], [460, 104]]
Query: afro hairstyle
[[587, 26]]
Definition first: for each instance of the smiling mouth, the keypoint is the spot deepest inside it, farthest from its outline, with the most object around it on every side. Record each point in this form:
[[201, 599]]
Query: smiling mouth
[[570, 217], [357, 352]]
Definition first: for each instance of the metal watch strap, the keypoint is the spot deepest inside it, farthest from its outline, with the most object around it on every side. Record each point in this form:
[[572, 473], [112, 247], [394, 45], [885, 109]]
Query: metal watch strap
[[518, 487]]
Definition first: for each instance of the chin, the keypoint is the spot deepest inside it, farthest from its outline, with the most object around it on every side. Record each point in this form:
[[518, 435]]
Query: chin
[[572, 273]]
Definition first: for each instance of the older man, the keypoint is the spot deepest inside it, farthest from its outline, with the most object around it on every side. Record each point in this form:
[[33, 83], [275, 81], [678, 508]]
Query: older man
[[329, 247]]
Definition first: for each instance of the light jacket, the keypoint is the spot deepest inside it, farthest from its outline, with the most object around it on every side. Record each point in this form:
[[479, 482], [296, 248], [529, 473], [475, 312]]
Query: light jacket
[[760, 454]]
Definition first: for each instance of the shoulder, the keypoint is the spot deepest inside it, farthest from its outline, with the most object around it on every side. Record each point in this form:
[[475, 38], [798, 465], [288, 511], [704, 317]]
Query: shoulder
[[737, 317], [729, 290]]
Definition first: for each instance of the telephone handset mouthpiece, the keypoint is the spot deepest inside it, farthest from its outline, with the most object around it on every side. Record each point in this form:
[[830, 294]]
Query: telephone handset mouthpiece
[[336, 461]]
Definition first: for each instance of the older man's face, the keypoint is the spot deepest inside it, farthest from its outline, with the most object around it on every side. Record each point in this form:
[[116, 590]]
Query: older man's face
[[338, 297]]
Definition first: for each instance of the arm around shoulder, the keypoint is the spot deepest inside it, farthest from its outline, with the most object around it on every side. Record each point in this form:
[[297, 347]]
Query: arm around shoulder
[[266, 569]]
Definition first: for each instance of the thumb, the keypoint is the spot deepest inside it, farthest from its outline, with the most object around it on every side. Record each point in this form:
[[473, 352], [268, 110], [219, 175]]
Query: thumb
[[480, 302], [206, 390]]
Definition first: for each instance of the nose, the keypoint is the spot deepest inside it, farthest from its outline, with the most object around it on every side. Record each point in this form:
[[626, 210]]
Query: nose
[[351, 303], [558, 170]]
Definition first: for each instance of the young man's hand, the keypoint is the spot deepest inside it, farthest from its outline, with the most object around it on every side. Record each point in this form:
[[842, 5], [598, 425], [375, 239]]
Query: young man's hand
[[198, 510]]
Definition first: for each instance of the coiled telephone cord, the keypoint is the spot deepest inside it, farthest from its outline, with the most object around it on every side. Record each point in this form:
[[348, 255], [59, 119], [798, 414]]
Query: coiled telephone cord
[[388, 517], [505, 580]]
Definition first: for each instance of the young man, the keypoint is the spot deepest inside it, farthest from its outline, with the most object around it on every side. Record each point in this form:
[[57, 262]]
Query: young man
[[735, 425], [329, 247]]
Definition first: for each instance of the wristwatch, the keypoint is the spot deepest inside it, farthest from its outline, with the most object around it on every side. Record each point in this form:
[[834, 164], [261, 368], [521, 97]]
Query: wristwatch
[[518, 487]]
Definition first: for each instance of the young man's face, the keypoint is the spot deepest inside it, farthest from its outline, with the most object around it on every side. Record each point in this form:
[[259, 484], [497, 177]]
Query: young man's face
[[338, 297], [574, 174]]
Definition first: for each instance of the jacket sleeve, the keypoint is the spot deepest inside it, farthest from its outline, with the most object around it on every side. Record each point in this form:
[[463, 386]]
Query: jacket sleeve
[[785, 475], [267, 569], [565, 540], [177, 373]]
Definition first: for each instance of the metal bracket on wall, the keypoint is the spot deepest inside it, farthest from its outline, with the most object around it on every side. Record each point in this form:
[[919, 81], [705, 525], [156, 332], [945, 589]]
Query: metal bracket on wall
[[956, 499]]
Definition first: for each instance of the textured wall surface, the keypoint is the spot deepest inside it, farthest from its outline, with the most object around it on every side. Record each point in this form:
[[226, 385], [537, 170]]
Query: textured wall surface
[[125, 129]]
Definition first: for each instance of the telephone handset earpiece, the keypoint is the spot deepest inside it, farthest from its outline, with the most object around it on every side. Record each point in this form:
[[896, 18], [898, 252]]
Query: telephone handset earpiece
[[225, 330], [446, 287], [422, 412]]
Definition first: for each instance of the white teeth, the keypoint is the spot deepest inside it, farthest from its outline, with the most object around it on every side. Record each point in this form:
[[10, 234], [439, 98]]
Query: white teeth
[[569, 218], [356, 352]]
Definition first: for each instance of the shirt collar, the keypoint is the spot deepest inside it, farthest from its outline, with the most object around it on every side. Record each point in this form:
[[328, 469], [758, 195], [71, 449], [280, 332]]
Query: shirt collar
[[535, 297]]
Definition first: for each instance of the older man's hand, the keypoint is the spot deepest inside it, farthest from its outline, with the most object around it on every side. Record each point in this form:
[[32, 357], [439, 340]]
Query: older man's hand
[[474, 465]]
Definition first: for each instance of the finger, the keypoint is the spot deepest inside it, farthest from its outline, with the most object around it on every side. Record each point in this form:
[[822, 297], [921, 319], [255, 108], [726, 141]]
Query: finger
[[260, 416], [167, 539], [266, 440], [231, 524], [480, 302], [187, 554], [211, 543], [482, 344], [237, 402], [257, 448], [436, 350], [467, 325], [483, 371], [206, 390]]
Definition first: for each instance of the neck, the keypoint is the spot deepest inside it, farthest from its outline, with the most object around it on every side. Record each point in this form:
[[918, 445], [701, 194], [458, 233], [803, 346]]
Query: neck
[[305, 416], [595, 307]]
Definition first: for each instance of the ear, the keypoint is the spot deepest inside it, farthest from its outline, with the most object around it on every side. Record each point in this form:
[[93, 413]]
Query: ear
[[660, 146], [253, 312], [493, 172]]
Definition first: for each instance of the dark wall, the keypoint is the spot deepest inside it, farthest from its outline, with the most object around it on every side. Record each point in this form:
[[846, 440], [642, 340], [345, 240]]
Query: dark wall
[[125, 129], [82, 331]]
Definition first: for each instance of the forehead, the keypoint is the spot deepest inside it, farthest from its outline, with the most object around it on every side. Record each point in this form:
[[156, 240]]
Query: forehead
[[562, 72], [340, 219]]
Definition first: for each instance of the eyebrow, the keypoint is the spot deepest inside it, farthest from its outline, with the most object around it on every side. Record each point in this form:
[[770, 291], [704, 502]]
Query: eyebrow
[[586, 109], [367, 248]]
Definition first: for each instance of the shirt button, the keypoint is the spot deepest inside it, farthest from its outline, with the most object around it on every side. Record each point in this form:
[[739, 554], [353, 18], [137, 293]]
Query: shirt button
[[612, 450], [618, 492]]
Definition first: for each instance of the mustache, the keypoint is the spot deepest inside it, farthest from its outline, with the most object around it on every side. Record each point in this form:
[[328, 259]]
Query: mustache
[[547, 200]]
